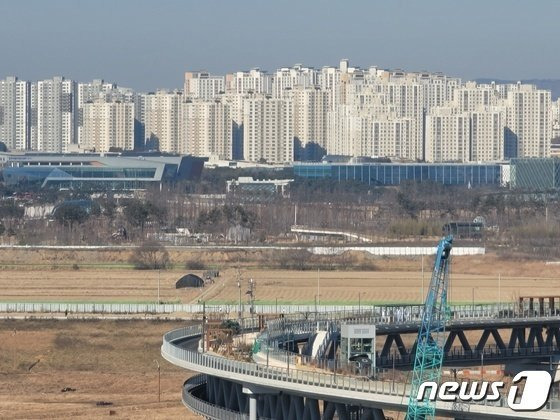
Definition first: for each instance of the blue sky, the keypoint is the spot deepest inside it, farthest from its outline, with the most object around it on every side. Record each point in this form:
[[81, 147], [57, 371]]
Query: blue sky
[[149, 44]]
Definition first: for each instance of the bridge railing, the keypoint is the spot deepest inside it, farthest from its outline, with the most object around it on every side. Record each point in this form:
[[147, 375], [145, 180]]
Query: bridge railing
[[396, 315], [285, 375], [490, 353], [204, 408], [207, 362]]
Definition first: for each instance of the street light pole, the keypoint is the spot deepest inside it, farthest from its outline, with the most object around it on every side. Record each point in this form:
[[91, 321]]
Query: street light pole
[[359, 303], [422, 296], [158, 286], [239, 309], [318, 287], [499, 291], [159, 380]]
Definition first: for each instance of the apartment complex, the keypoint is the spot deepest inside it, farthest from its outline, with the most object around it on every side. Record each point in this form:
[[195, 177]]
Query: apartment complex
[[293, 113]]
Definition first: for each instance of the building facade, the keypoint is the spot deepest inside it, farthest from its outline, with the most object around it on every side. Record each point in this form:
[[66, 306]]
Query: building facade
[[55, 110], [163, 113], [202, 85], [108, 124], [447, 136], [267, 130], [14, 113], [207, 129]]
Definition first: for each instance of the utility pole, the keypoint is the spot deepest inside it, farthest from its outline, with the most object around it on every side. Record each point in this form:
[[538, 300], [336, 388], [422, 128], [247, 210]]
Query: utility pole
[[239, 309], [422, 295], [318, 287], [499, 291], [158, 286], [14, 349], [334, 362], [359, 303], [159, 380], [203, 326]]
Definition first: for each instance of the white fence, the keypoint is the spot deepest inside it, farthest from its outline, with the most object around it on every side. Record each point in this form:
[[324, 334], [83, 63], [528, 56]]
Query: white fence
[[317, 250], [305, 313]]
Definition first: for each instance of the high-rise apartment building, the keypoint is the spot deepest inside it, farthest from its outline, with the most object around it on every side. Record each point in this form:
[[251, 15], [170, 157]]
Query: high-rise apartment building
[[14, 113], [55, 105], [529, 126], [97, 89], [447, 135], [391, 137], [471, 96], [163, 113], [556, 119], [407, 97], [249, 82], [108, 124], [267, 130], [202, 85], [234, 101], [309, 109], [288, 78], [487, 133], [207, 129]]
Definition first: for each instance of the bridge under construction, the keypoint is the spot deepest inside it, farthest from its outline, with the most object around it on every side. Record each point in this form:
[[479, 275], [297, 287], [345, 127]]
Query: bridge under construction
[[365, 364]]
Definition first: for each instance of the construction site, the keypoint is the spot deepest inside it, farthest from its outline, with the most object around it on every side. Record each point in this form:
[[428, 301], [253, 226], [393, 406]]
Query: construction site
[[376, 361]]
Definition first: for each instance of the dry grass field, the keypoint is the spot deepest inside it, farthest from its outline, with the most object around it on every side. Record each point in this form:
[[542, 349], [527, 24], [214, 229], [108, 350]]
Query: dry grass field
[[393, 281], [102, 360]]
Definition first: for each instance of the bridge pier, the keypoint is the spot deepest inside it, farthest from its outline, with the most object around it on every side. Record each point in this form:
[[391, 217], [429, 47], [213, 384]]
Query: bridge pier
[[252, 407]]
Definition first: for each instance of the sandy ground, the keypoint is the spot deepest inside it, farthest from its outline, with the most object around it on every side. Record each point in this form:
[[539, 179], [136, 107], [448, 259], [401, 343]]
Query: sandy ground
[[479, 278], [84, 356]]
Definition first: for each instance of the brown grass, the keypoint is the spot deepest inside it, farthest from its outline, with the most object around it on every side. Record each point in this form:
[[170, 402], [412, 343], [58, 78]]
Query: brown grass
[[393, 281], [86, 356]]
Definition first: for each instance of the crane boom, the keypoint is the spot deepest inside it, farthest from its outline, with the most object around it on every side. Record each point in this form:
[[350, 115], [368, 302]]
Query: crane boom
[[431, 335]]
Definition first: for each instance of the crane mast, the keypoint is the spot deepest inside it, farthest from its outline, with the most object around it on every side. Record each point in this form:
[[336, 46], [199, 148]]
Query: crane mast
[[431, 335]]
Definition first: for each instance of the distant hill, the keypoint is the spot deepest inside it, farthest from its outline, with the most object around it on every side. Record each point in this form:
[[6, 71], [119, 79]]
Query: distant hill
[[549, 84]]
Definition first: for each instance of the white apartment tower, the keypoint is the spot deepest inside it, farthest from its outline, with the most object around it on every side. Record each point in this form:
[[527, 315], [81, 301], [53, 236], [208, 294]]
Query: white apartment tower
[[447, 135], [267, 130], [390, 137], [288, 78], [249, 82], [202, 85], [556, 119], [529, 125], [163, 113], [407, 96], [472, 96], [309, 114], [487, 134], [97, 89], [55, 114], [14, 113], [208, 129], [107, 124]]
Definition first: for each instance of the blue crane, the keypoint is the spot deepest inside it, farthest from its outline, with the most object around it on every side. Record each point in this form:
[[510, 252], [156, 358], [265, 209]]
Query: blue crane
[[431, 336]]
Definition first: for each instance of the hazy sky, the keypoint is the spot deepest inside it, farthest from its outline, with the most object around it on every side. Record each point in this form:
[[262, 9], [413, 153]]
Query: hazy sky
[[149, 44]]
